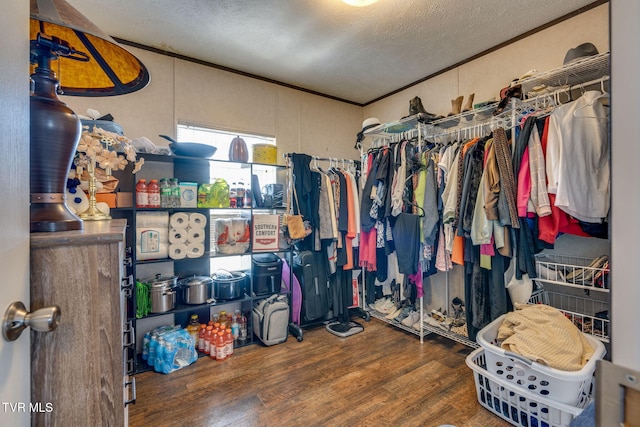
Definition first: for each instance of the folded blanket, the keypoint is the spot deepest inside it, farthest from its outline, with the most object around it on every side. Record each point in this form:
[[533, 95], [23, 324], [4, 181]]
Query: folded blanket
[[544, 334]]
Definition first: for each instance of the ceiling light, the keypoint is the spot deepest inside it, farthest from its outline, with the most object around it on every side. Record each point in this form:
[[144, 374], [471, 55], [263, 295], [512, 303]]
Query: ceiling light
[[359, 3]]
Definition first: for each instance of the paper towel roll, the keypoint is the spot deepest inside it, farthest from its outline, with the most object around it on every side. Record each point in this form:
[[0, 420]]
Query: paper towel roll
[[160, 251], [195, 235], [179, 220], [178, 235], [178, 251], [195, 250], [152, 219], [197, 220]]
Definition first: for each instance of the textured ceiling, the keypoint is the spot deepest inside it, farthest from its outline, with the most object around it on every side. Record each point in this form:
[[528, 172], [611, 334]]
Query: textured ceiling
[[326, 46]]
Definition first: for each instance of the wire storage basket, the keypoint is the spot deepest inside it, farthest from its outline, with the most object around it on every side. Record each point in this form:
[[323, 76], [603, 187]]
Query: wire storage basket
[[514, 404], [589, 309]]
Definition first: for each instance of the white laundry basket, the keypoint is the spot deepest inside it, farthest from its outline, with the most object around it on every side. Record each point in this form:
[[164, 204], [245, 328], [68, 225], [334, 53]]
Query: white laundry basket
[[516, 405], [569, 387]]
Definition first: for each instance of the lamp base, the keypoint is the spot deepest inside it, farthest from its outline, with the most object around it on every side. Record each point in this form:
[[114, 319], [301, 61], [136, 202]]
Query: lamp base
[[94, 215], [52, 216]]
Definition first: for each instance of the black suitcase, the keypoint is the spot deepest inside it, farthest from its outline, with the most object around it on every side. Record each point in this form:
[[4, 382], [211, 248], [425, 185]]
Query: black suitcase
[[311, 270]]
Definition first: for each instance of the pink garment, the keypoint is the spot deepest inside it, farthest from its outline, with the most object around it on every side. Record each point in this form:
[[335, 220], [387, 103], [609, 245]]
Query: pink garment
[[368, 249], [443, 257], [417, 279], [488, 248], [524, 185]]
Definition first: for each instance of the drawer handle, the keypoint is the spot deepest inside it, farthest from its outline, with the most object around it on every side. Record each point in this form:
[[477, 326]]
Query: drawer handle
[[128, 335], [132, 385]]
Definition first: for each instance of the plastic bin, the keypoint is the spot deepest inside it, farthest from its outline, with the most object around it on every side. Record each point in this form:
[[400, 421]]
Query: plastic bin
[[518, 406], [568, 387]]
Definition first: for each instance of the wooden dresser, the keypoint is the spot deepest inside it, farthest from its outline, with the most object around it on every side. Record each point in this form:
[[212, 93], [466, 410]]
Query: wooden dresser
[[78, 374]]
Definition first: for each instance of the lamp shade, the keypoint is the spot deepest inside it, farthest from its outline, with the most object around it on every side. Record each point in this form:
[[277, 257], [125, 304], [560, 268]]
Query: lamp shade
[[109, 70], [88, 63]]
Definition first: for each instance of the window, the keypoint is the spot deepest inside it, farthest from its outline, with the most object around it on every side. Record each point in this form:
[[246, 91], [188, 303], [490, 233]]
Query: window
[[233, 174], [220, 139]]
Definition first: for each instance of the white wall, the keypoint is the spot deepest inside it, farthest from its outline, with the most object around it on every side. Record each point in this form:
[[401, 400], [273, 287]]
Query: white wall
[[625, 175], [185, 92]]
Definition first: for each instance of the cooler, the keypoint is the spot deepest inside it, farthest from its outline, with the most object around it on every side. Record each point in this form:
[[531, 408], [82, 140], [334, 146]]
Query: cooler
[[266, 273]]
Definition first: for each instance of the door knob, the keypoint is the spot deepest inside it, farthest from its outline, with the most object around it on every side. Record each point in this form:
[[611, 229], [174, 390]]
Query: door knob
[[17, 318]]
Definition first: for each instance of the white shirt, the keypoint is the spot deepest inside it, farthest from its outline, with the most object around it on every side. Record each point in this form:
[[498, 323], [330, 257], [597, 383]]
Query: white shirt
[[577, 158]]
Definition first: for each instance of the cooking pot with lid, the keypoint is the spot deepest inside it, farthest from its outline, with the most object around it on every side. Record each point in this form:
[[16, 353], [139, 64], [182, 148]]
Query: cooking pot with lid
[[162, 293], [229, 285], [196, 289]]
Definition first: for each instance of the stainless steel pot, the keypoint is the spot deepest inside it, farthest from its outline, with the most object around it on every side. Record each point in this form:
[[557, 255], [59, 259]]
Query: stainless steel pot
[[196, 289], [162, 293], [229, 285]]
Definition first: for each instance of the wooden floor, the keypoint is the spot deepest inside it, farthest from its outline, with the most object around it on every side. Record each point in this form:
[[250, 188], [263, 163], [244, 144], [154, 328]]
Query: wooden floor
[[380, 377]]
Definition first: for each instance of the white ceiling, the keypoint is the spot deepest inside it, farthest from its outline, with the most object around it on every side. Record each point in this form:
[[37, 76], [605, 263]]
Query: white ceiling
[[326, 46]]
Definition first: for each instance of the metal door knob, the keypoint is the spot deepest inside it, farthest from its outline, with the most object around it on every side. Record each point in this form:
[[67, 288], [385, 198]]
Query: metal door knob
[[17, 318]]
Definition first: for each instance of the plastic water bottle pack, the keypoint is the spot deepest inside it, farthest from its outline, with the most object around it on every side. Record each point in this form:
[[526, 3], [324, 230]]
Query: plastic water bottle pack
[[169, 348]]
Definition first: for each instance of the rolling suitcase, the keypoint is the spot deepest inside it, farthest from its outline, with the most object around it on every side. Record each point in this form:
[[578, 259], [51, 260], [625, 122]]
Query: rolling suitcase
[[311, 270]]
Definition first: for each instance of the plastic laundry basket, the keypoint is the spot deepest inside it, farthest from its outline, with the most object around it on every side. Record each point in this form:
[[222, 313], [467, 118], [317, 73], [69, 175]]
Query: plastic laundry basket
[[569, 387], [516, 405]]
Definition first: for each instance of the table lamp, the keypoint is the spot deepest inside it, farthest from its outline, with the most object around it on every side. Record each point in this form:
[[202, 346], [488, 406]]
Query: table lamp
[[88, 63]]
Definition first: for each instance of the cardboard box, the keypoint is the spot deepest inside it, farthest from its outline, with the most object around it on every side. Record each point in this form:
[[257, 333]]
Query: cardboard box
[[124, 199], [188, 195], [108, 198]]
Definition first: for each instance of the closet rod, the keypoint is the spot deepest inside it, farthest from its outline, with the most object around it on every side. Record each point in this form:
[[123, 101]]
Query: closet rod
[[498, 121], [324, 159]]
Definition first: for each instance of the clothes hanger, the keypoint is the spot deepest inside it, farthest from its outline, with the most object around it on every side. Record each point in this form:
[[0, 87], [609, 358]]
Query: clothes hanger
[[590, 104], [419, 207]]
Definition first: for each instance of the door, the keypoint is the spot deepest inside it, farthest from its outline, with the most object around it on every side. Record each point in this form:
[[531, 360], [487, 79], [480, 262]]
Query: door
[[14, 206]]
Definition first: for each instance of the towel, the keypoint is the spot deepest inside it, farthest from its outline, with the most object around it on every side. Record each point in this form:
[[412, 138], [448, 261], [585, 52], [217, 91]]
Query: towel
[[542, 333]]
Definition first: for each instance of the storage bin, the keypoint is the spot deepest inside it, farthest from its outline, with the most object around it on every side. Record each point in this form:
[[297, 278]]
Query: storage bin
[[518, 406], [569, 387], [266, 273]]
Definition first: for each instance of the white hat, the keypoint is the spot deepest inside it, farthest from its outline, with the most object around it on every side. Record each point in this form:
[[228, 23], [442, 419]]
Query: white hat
[[369, 123]]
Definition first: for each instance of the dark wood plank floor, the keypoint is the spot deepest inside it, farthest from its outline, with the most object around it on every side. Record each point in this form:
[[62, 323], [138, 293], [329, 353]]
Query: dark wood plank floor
[[380, 377]]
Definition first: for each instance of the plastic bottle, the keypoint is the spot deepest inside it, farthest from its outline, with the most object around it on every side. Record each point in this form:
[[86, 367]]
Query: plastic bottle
[[248, 198], [235, 326], [207, 339], [153, 346], [145, 345], [228, 337], [158, 366], [223, 319], [221, 344], [233, 194], [240, 194], [142, 196], [194, 328], [243, 328], [153, 189], [212, 344], [174, 184], [165, 193], [201, 333]]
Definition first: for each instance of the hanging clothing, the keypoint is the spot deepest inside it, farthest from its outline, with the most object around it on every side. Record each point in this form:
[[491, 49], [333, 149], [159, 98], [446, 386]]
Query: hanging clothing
[[577, 158], [406, 231]]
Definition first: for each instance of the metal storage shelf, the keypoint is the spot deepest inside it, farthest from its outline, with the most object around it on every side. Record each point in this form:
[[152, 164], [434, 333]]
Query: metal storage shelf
[[572, 271], [381, 316], [581, 70]]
